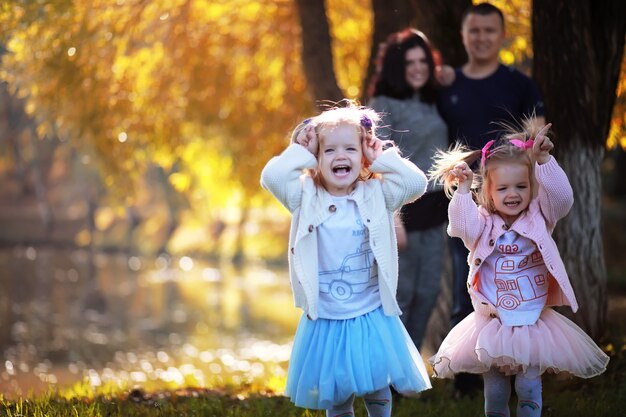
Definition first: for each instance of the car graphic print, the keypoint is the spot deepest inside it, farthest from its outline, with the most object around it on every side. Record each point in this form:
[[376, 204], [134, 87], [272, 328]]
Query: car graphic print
[[520, 278], [357, 273]]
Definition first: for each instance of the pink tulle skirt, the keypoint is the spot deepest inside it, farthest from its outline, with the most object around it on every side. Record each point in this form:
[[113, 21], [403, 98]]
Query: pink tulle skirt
[[554, 343]]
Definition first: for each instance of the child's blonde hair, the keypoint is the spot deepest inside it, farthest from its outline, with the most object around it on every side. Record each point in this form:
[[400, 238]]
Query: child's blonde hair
[[364, 119], [512, 147]]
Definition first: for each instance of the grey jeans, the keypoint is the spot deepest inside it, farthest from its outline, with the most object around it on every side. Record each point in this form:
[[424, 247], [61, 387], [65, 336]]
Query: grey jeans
[[419, 279]]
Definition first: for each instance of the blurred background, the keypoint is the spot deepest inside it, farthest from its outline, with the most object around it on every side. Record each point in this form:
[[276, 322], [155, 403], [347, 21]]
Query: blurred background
[[136, 246]]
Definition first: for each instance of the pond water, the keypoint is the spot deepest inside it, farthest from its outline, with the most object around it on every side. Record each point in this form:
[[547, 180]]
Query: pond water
[[113, 320]]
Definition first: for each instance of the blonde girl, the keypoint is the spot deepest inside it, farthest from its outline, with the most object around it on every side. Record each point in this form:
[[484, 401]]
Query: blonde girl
[[516, 272], [342, 189]]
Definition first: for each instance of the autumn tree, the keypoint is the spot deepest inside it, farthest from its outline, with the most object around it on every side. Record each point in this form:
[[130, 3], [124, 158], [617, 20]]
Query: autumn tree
[[578, 53], [203, 92]]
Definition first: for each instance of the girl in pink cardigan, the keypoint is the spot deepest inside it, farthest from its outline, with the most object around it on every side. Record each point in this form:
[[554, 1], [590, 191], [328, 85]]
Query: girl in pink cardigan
[[516, 272]]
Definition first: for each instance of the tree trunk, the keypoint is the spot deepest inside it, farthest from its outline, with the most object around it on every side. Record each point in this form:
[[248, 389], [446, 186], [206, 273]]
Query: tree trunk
[[389, 16], [13, 122], [172, 201], [576, 64], [238, 256], [579, 236], [317, 57], [40, 183], [441, 22]]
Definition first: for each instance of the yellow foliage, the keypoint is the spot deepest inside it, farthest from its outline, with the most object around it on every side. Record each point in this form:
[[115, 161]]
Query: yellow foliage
[[617, 133], [351, 26], [104, 218], [517, 49], [206, 89], [507, 57], [180, 181], [83, 238], [161, 72], [520, 43]]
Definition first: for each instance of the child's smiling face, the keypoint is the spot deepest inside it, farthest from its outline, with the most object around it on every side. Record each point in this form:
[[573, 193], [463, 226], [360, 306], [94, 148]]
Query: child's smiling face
[[509, 189], [340, 158]]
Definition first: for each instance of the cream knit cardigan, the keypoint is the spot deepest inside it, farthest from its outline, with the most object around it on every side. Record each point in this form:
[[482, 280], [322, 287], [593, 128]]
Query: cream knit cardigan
[[311, 205]]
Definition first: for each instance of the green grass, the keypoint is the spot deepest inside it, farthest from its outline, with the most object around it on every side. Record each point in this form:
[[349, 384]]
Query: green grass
[[598, 397], [602, 396]]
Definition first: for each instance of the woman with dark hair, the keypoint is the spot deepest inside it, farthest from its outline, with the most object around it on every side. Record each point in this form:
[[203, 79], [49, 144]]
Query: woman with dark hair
[[404, 90]]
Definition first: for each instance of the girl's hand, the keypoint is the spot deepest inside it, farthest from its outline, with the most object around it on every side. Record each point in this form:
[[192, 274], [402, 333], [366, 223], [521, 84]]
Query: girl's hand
[[542, 146], [308, 138], [464, 175], [372, 147]]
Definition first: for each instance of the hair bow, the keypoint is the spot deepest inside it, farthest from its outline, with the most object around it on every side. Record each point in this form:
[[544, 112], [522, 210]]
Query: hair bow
[[485, 152], [524, 145]]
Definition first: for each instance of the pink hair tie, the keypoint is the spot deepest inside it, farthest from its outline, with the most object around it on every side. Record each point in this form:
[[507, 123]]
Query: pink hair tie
[[485, 152], [524, 145]]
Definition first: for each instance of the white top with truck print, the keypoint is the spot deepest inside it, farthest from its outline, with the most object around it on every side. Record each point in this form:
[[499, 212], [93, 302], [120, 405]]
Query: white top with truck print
[[348, 274], [515, 279]]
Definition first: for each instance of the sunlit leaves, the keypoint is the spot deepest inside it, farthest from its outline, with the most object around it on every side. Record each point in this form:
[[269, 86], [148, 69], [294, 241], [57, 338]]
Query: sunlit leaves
[[517, 50], [151, 72], [351, 25], [134, 83], [617, 133]]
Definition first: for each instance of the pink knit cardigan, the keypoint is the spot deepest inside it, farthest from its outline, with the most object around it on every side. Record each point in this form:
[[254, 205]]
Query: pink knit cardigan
[[479, 229]]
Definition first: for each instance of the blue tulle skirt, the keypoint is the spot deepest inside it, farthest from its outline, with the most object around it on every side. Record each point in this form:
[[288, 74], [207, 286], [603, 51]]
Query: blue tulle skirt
[[333, 359]]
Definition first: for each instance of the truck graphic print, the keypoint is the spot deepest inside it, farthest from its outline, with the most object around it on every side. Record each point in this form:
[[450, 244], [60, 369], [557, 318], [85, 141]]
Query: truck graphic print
[[357, 273], [520, 278]]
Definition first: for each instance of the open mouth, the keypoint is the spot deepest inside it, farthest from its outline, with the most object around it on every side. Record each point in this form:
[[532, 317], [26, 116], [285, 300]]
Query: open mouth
[[341, 170], [512, 204]]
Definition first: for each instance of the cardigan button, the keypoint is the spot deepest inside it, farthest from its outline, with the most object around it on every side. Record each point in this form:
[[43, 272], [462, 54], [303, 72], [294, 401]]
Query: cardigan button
[[368, 220], [492, 242], [477, 261], [332, 208], [483, 303], [292, 251], [310, 228]]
